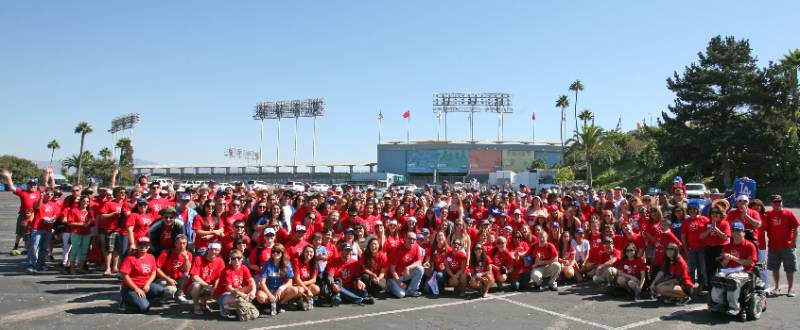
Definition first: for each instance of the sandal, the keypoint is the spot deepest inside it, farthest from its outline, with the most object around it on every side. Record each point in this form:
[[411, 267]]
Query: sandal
[[198, 310]]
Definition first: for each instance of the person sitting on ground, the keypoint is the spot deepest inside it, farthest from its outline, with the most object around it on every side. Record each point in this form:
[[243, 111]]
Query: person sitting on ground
[[632, 272], [673, 281], [605, 259], [405, 268], [738, 258], [234, 281], [374, 265], [305, 276], [345, 273], [138, 275], [480, 267], [277, 276], [205, 272], [456, 267], [173, 269], [545, 264]]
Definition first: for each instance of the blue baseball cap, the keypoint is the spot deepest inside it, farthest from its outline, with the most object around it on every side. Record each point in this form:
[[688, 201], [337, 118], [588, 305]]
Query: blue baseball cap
[[737, 226]]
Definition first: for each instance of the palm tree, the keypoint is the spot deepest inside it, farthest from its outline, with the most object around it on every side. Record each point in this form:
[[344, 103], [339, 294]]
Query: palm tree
[[73, 160], [83, 128], [576, 86], [586, 115], [592, 144], [53, 145], [563, 103], [104, 153], [792, 63]]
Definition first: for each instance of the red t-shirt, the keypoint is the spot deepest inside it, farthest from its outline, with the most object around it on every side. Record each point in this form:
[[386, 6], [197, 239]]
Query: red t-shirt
[[455, 258], [713, 239], [305, 270], [502, 258], [734, 215], [662, 240], [622, 241], [744, 250], [209, 271], [111, 224], [403, 257], [633, 267], [165, 241], [27, 199], [603, 256], [138, 269], [172, 265], [260, 255], [45, 216], [140, 222], [236, 278], [438, 259], [204, 224], [227, 242], [546, 252], [680, 271], [377, 263], [229, 219], [347, 270], [391, 244], [781, 227], [479, 267], [692, 229], [80, 217], [156, 204], [295, 247]]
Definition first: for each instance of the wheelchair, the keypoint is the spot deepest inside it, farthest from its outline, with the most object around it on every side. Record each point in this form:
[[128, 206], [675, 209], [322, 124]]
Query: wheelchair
[[752, 297]]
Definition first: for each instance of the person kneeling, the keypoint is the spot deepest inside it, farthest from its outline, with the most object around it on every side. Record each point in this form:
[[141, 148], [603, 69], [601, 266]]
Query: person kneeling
[[673, 281], [605, 259], [138, 273], [738, 258], [173, 269], [546, 263], [234, 282], [632, 272], [276, 281], [205, 273], [346, 273], [406, 266]]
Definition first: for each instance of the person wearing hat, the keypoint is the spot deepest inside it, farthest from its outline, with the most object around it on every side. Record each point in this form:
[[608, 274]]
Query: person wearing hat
[[605, 259], [46, 211], [186, 211], [205, 274], [545, 263], [693, 227], [737, 259], [295, 244], [405, 268], [782, 231], [345, 272], [173, 269], [715, 237], [744, 214], [164, 231], [138, 272]]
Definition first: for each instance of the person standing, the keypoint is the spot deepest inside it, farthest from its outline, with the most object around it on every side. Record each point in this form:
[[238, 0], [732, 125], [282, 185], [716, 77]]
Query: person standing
[[782, 230]]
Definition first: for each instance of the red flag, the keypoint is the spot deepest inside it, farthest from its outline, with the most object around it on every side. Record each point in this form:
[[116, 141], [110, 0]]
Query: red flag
[[638, 125], [407, 114], [533, 116]]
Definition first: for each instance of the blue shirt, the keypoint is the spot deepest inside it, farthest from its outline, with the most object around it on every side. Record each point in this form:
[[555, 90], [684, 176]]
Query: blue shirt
[[272, 276]]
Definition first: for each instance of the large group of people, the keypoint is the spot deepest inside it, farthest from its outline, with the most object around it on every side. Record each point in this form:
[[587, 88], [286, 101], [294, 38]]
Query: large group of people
[[283, 249]]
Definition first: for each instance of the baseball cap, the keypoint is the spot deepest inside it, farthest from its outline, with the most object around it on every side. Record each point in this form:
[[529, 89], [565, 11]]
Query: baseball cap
[[411, 219], [385, 214], [608, 240], [349, 230], [579, 230], [299, 228], [485, 222], [737, 226], [269, 230], [508, 228], [743, 198], [215, 245], [144, 240], [776, 198], [420, 236], [378, 222], [392, 222], [517, 211], [426, 230], [347, 246], [185, 197]]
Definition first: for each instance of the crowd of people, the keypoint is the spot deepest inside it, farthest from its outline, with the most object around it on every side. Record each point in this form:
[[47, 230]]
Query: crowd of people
[[287, 250]]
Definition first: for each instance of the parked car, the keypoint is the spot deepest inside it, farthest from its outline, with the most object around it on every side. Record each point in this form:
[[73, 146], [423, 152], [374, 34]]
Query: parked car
[[696, 190], [319, 187], [294, 186], [257, 184], [652, 191]]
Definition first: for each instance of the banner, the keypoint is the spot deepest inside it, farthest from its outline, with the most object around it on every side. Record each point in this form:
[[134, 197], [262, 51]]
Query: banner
[[453, 161], [744, 186], [421, 161], [485, 161], [517, 160]]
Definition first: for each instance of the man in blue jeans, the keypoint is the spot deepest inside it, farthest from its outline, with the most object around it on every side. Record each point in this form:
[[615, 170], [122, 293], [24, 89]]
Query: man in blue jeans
[[138, 273], [405, 268]]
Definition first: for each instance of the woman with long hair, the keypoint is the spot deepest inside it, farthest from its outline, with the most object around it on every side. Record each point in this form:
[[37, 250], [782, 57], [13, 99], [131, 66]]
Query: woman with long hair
[[503, 260], [673, 281], [305, 276], [457, 267], [480, 266], [207, 227], [80, 220], [374, 264], [566, 256], [435, 263], [276, 281], [461, 233], [632, 272]]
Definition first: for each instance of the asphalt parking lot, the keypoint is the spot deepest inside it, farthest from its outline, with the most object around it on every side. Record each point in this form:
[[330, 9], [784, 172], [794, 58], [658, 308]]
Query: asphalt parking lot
[[51, 300]]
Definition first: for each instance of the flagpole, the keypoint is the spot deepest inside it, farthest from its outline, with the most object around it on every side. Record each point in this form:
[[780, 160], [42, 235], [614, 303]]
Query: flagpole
[[408, 129], [533, 128], [380, 119]]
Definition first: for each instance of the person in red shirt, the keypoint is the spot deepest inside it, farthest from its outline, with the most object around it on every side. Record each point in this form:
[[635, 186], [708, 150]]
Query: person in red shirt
[[457, 267], [374, 263], [632, 272], [138, 275], [738, 258], [744, 214], [137, 224], [346, 273], [27, 198], [405, 265], [692, 230], [605, 259], [46, 211], [239, 230], [567, 254], [782, 230], [502, 260], [205, 273], [673, 281], [480, 267], [109, 220], [80, 219], [207, 226], [715, 237], [173, 269], [306, 268], [234, 280], [545, 264]]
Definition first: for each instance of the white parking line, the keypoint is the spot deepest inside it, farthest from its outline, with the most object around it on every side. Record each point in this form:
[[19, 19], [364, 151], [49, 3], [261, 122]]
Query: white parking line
[[661, 318], [47, 311], [563, 316], [398, 311]]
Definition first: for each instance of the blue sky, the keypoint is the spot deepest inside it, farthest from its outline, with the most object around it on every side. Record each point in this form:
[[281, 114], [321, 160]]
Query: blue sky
[[195, 69]]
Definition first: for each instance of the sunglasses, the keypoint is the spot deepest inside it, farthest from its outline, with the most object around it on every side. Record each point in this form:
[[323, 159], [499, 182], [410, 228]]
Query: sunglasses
[[169, 217], [236, 258], [262, 206], [277, 252], [630, 250], [239, 227]]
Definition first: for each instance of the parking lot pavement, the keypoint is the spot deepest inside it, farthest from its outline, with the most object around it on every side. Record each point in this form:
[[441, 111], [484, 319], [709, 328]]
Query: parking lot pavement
[[52, 300]]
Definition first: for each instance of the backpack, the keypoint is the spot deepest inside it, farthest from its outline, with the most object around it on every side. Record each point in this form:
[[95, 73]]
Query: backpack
[[245, 310]]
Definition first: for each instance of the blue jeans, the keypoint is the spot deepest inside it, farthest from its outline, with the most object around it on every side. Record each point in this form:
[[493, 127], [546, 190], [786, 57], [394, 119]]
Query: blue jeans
[[522, 283], [697, 262], [40, 241], [352, 295], [136, 304], [413, 278], [441, 278]]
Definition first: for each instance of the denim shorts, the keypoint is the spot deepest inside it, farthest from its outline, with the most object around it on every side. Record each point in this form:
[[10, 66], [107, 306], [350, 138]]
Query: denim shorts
[[785, 256]]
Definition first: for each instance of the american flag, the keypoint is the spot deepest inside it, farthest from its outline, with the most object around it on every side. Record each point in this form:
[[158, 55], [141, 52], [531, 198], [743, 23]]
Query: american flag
[[533, 116], [380, 115]]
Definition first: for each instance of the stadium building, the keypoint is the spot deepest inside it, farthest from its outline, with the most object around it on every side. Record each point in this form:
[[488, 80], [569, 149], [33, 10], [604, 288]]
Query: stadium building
[[420, 161]]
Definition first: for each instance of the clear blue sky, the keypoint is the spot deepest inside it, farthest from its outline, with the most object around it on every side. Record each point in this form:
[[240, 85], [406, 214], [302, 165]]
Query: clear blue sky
[[195, 69]]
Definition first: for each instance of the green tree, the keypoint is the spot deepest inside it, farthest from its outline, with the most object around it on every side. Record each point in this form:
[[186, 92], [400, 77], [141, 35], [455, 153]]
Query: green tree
[[565, 174], [576, 86], [53, 145], [125, 161], [709, 127], [104, 153], [83, 128], [72, 162], [21, 168], [591, 145], [563, 103], [536, 164], [586, 116]]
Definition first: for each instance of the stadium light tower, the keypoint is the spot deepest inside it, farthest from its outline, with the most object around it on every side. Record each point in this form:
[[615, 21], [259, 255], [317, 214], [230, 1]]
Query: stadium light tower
[[291, 109], [499, 103], [120, 124]]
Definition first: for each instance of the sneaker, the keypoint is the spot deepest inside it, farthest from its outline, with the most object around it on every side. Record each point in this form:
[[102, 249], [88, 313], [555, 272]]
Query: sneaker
[[303, 305], [774, 292], [310, 304], [683, 301], [790, 294], [368, 301], [732, 312], [121, 306], [636, 297], [15, 252], [31, 271], [182, 300], [415, 294], [226, 313], [554, 286]]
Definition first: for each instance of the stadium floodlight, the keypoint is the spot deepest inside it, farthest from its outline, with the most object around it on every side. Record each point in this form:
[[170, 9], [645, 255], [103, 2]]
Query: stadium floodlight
[[298, 108], [499, 103], [239, 153], [120, 124]]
